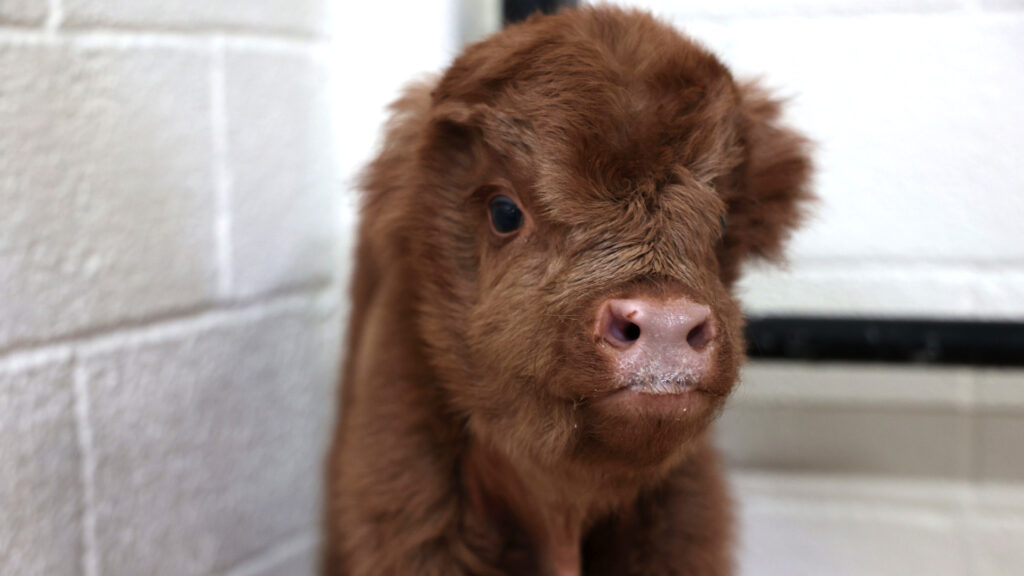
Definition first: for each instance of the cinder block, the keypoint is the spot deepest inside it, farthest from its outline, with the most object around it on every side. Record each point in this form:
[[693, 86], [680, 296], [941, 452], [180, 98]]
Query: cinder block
[[809, 543], [283, 172], [901, 498], [210, 443], [846, 440], [999, 501], [40, 471], [918, 124], [998, 446], [23, 12], [1001, 390], [882, 386], [305, 17], [796, 524], [926, 290], [866, 289], [996, 546], [994, 528], [107, 187]]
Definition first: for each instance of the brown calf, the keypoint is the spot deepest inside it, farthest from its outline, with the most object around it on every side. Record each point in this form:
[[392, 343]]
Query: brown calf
[[542, 329]]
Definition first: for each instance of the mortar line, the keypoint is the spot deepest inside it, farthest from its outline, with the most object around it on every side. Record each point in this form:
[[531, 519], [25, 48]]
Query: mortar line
[[128, 37], [54, 17], [223, 180], [289, 296], [87, 452]]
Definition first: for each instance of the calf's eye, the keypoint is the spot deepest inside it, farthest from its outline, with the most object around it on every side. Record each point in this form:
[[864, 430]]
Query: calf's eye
[[506, 217]]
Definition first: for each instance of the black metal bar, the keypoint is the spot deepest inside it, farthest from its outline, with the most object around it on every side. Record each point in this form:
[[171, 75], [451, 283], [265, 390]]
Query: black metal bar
[[974, 343], [518, 10]]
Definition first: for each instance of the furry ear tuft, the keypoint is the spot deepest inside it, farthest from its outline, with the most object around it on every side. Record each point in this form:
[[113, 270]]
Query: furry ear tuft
[[771, 187]]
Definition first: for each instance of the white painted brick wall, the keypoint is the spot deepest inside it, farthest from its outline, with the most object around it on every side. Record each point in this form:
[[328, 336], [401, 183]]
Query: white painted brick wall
[[170, 291], [40, 491], [107, 186], [227, 420]]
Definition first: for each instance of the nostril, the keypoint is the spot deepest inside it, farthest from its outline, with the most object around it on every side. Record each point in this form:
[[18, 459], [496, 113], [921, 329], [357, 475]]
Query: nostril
[[700, 335], [631, 332], [623, 331]]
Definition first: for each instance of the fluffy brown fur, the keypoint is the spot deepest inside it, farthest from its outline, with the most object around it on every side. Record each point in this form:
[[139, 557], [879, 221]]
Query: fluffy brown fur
[[475, 435]]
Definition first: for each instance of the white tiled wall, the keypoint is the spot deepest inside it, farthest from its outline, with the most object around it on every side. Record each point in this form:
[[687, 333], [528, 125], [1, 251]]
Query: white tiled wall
[[169, 294]]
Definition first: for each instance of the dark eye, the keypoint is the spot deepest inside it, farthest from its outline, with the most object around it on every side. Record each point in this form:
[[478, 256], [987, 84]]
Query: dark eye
[[505, 215], [723, 222]]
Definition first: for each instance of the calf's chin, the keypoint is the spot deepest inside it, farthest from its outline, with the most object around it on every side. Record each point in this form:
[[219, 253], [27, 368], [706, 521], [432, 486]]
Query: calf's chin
[[543, 328]]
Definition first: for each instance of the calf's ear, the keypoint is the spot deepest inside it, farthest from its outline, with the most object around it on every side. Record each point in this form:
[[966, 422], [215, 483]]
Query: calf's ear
[[767, 195]]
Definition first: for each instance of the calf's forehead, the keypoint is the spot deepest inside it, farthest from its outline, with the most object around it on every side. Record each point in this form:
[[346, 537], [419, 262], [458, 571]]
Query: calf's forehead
[[628, 141], [634, 165]]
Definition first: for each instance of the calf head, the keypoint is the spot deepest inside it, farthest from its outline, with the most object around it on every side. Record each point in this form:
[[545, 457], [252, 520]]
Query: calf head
[[587, 188]]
